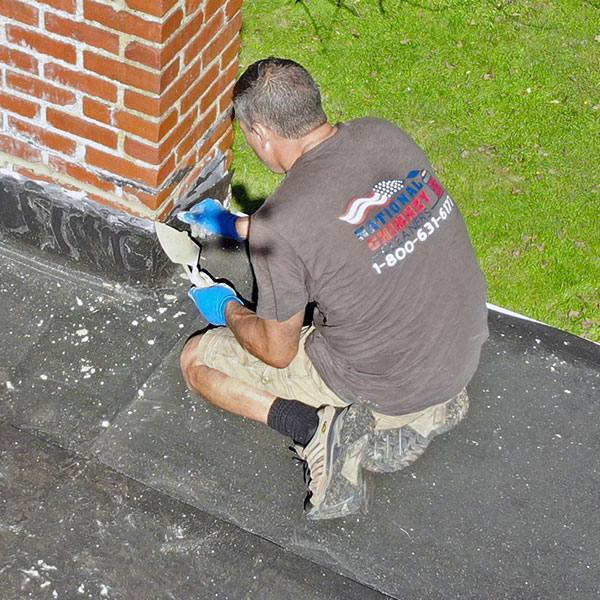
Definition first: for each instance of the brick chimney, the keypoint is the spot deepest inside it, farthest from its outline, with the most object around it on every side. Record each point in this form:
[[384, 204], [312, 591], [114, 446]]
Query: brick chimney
[[112, 111]]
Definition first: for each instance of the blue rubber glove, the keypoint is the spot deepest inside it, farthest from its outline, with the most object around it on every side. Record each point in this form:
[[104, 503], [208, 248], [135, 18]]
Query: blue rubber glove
[[211, 301], [211, 215]]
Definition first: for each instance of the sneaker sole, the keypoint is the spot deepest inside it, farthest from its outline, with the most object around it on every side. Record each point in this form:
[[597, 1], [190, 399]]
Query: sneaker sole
[[411, 445], [346, 491]]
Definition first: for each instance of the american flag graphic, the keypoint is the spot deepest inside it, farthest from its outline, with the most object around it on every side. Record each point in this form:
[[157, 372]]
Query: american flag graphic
[[382, 192]]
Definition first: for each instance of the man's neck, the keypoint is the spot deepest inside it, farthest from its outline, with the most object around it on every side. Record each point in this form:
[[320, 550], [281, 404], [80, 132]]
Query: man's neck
[[317, 136], [298, 148]]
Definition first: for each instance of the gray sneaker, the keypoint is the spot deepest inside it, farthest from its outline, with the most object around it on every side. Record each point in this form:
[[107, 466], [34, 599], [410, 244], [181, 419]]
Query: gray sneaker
[[394, 449], [333, 460]]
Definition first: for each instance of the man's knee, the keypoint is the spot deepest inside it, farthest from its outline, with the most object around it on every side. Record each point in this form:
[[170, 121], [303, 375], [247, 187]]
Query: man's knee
[[189, 355]]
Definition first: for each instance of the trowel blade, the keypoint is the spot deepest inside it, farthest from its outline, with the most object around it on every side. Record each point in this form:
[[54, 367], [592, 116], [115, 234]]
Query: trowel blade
[[178, 245]]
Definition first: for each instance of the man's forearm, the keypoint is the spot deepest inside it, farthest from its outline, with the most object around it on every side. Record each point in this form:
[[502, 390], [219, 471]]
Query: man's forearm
[[249, 330], [274, 343], [242, 226]]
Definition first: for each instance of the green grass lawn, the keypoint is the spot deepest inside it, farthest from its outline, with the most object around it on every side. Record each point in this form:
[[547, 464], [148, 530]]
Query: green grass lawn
[[503, 96]]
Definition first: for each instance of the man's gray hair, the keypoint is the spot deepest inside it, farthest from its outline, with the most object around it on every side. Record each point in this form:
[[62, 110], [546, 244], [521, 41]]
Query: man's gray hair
[[280, 94]]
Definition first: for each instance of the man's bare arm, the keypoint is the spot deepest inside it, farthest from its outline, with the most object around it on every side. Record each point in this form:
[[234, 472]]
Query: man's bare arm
[[242, 226], [273, 342]]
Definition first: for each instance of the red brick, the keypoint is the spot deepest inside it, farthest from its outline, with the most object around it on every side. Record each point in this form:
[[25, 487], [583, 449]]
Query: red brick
[[169, 75], [122, 20], [152, 201], [179, 133], [82, 128], [165, 209], [197, 133], [92, 36], [19, 105], [224, 129], [102, 200], [168, 123], [233, 7], [165, 171], [232, 52], [138, 195], [226, 141], [226, 35], [30, 174], [45, 138], [191, 6], [66, 5], [127, 74], [206, 156], [230, 71], [15, 147], [19, 11], [140, 102], [201, 41], [194, 171], [42, 43], [81, 174], [156, 8], [121, 166], [171, 25], [189, 167], [157, 107], [227, 98], [140, 151], [158, 58], [127, 22], [18, 59], [186, 79], [184, 148], [146, 55], [211, 7], [80, 80], [148, 130], [41, 90], [199, 88], [181, 38], [210, 95], [226, 78], [108, 202], [155, 155], [97, 111], [219, 132], [188, 162], [114, 204]]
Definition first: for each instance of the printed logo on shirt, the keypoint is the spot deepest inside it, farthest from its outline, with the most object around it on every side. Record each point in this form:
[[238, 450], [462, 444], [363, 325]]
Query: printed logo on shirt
[[409, 212]]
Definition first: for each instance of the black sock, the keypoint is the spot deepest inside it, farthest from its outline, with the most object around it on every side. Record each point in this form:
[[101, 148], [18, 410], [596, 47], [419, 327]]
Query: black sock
[[293, 418]]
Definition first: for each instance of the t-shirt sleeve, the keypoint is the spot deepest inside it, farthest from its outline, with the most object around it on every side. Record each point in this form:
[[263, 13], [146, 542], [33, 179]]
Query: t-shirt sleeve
[[280, 274]]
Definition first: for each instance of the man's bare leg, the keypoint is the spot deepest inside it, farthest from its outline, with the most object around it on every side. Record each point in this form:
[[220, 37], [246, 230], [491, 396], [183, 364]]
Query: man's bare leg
[[222, 390], [297, 420]]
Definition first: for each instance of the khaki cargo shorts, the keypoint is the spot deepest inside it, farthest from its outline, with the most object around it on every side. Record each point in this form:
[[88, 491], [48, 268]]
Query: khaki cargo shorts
[[220, 350]]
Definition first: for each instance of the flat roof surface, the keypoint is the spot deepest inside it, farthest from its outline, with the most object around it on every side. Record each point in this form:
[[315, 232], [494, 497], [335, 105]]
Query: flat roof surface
[[116, 483]]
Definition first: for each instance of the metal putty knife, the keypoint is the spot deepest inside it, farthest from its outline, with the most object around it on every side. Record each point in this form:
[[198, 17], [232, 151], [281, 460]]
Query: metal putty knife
[[182, 250]]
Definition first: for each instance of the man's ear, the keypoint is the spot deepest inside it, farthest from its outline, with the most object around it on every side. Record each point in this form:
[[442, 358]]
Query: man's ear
[[262, 133]]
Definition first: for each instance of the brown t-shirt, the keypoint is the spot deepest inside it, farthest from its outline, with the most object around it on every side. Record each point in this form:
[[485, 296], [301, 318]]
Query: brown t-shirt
[[362, 227]]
